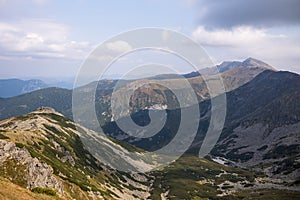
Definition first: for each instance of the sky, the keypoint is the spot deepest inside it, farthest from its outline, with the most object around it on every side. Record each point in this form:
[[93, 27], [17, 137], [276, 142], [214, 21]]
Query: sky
[[52, 38]]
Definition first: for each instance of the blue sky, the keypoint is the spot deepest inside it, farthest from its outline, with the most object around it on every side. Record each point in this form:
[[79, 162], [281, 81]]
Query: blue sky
[[51, 38]]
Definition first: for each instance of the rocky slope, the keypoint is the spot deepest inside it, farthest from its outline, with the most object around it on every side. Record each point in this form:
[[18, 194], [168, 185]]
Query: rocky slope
[[43, 150], [37, 174], [261, 130], [263, 123]]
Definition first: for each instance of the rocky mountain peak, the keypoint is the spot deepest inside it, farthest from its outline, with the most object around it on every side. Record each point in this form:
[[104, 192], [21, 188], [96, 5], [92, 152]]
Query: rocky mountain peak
[[249, 62], [256, 63]]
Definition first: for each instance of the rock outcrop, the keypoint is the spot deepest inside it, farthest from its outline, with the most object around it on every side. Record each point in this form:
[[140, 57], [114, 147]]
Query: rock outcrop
[[37, 174]]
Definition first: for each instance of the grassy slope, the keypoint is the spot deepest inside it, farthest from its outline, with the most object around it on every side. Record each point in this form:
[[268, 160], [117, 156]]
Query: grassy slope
[[193, 178], [85, 175], [187, 178], [10, 191]]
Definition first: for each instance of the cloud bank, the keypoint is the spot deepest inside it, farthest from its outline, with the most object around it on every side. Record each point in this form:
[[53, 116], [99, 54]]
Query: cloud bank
[[39, 39], [259, 13], [264, 29]]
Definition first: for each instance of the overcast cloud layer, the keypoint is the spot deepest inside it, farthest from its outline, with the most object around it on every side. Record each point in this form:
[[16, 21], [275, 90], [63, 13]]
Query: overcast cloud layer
[[264, 29], [263, 13]]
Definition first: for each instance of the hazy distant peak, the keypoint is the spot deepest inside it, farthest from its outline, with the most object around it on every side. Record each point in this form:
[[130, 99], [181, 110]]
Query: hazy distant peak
[[254, 62], [14, 87], [249, 62]]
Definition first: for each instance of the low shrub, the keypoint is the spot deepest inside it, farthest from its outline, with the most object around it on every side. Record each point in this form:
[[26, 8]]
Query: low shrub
[[47, 191]]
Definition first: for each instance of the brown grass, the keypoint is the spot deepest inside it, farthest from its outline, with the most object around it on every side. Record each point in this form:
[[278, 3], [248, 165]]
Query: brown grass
[[10, 191]]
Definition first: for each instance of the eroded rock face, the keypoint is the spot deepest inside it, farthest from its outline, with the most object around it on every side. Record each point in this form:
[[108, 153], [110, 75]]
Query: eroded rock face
[[41, 175], [67, 155], [37, 174], [9, 150]]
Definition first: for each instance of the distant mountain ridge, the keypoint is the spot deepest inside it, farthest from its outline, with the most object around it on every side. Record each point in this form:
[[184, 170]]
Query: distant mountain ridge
[[14, 87], [230, 65], [61, 99], [227, 65], [58, 98], [223, 67]]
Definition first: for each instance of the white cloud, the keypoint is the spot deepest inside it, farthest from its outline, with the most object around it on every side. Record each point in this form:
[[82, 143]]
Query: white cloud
[[43, 39], [119, 46], [40, 38], [110, 50], [243, 35]]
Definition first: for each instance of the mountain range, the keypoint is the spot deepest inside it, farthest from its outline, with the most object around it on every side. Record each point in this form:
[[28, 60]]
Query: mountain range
[[256, 157], [61, 99], [14, 87], [262, 120]]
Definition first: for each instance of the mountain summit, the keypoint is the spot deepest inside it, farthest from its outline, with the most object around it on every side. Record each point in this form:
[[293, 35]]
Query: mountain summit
[[249, 62]]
